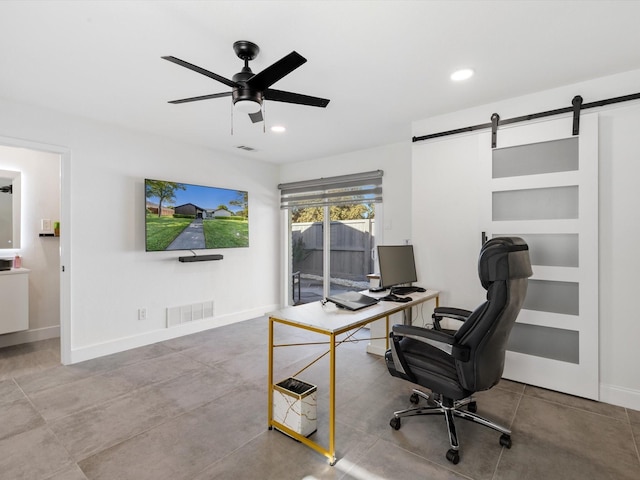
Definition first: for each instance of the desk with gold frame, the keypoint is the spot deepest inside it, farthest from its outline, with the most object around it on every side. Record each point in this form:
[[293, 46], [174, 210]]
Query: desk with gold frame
[[330, 321]]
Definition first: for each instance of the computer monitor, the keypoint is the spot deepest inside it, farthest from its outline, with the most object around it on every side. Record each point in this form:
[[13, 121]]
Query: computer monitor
[[397, 265]]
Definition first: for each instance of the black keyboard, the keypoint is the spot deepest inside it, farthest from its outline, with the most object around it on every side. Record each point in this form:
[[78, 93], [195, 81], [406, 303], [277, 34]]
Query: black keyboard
[[394, 298], [406, 290]]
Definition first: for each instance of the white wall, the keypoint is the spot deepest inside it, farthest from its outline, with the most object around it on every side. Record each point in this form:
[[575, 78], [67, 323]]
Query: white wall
[[447, 222], [619, 264], [111, 275], [40, 198], [446, 217]]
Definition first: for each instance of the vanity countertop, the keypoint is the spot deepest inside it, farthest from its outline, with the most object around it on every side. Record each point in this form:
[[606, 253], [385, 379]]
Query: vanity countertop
[[14, 271]]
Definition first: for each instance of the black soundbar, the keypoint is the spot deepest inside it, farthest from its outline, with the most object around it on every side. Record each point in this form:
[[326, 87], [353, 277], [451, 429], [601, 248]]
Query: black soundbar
[[200, 258]]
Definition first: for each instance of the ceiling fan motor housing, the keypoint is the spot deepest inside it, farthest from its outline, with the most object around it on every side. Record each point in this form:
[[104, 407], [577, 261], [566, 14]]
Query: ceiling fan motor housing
[[242, 92]]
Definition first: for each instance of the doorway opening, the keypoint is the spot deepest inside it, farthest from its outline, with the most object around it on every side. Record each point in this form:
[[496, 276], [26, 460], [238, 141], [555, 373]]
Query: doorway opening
[[44, 202]]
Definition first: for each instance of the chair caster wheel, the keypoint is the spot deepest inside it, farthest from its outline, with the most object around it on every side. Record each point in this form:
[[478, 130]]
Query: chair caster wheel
[[453, 456], [414, 398], [505, 440], [472, 407], [395, 423]]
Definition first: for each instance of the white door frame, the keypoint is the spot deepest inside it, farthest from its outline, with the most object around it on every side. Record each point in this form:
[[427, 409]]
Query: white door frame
[[65, 237]]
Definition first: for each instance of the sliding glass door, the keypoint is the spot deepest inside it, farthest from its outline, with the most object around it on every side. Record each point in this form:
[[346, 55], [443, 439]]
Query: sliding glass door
[[306, 240], [331, 250], [351, 247], [330, 234]]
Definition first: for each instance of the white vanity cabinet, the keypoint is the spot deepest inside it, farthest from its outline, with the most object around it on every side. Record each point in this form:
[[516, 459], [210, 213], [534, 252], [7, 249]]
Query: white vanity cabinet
[[14, 300]]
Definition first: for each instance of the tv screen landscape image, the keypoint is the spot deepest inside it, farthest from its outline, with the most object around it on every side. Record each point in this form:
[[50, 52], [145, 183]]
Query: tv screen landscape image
[[180, 216]]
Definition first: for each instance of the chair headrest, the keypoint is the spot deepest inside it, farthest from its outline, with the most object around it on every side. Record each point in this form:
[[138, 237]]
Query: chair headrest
[[503, 258]]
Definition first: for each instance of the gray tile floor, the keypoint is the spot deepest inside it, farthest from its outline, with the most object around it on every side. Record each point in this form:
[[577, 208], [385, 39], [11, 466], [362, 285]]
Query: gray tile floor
[[195, 408]]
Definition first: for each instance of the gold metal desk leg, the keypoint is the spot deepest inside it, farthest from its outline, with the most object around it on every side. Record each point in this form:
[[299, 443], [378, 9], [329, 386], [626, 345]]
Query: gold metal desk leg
[[270, 376], [387, 337], [332, 400]]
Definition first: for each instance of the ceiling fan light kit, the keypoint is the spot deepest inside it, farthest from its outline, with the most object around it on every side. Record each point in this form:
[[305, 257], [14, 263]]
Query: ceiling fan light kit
[[247, 106], [249, 90]]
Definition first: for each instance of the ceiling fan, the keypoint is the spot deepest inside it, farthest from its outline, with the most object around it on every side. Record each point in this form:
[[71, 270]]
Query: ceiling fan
[[249, 90]]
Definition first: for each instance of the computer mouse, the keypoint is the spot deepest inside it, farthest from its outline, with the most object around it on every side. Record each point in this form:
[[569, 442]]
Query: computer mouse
[[420, 289], [404, 299]]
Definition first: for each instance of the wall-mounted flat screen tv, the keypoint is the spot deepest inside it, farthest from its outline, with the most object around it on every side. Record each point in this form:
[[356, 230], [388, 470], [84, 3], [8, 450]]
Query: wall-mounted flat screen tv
[[180, 216]]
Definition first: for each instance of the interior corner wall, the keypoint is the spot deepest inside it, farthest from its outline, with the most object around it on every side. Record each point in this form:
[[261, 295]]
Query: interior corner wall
[[446, 178], [394, 160], [111, 276], [40, 199]]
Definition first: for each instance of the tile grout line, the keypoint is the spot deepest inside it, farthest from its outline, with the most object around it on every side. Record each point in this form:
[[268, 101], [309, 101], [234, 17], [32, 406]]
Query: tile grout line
[[513, 419], [440, 465], [635, 441], [47, 426], [228, 454], [102, 374], [577, 408]]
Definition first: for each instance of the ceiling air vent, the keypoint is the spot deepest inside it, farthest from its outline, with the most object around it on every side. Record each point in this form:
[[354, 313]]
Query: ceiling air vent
[[244, 147]]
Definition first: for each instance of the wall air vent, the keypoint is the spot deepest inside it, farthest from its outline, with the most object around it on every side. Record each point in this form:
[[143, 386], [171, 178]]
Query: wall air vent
[[189, 313], [244, 147]]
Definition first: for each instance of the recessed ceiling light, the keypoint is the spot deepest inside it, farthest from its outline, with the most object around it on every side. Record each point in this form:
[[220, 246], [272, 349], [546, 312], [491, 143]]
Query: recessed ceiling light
[[278, 129], [462, 74]]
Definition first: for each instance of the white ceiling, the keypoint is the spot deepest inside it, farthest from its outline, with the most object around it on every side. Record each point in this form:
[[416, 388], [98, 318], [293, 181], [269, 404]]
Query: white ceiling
[[382, 64]]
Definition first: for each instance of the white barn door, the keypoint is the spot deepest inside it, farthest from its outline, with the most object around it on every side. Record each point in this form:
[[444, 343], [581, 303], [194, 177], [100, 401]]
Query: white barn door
[[544, 188]]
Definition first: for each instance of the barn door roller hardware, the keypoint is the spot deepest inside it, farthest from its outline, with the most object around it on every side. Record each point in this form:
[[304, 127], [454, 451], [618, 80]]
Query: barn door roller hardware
[[577, 103], [495, 118], [576, 107]]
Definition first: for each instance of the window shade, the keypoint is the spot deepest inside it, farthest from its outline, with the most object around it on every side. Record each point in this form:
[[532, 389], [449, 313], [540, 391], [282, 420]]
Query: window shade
[[341, 190]]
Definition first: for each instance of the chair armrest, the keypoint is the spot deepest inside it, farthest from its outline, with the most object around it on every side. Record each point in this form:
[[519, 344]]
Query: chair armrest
[[459, 352], [422, 334], [450, 312], [458, 314]]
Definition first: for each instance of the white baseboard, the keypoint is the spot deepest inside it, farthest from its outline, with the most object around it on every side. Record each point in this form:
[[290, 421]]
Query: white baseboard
[[29, 336], [127, 343], [621, 396]]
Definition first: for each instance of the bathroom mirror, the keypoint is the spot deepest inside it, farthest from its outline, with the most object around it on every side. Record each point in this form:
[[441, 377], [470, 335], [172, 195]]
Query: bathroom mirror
[[9, 209]]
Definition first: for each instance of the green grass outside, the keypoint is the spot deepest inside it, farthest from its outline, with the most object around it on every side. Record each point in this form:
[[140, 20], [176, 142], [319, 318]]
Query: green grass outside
[[219, 232], [161, 231], [223, 233]]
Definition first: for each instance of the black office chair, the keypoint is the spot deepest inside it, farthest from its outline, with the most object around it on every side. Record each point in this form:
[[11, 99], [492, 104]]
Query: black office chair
[[474, 356]]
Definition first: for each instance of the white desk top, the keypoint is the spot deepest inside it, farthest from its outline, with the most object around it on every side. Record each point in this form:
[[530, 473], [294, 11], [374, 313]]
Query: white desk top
[[329, 318]]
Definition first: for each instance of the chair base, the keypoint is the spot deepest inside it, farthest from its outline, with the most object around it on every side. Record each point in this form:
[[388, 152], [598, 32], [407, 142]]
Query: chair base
[[439, 405]]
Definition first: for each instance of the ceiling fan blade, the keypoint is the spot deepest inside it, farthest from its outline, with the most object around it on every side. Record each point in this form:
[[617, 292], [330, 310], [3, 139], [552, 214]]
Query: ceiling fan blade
[[289, 97], [273, 73], [201, 70], [256, 117], [202, 97]]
